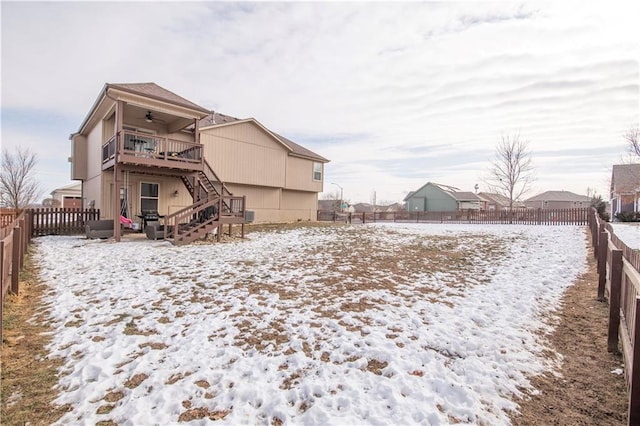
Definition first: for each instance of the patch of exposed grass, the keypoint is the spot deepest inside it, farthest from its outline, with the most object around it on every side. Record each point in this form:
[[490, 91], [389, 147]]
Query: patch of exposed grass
[[114, 396], [132, 329], [177, 377], [105, 409], [27, 375], [202, 412], [136, 380]]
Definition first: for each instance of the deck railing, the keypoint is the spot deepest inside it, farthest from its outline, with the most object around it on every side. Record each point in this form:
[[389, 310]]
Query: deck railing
[[144, 148], [222, 210]]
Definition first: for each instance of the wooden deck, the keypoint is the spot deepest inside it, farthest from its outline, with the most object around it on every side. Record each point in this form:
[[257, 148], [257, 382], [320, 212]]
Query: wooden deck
[[148, 151]]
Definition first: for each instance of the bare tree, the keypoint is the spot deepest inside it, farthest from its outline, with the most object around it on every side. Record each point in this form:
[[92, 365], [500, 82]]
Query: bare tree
[[18, 185], [633, 138], [511, 172]]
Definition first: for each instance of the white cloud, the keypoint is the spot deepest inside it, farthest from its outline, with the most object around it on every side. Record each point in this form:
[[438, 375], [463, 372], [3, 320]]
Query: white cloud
[[393, 76]]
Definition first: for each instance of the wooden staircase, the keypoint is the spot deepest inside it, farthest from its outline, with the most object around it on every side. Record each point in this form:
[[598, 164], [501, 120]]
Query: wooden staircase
[[214, 207]]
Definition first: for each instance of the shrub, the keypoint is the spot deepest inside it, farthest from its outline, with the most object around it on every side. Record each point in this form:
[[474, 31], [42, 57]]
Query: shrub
[[628, 216]]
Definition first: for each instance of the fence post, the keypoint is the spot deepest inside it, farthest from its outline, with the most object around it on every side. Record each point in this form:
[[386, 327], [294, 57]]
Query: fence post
[[23, 241], [2, 249], [633, 417], [596, 240], [1, 287], [602, 263], [15, 260], [614, 300]]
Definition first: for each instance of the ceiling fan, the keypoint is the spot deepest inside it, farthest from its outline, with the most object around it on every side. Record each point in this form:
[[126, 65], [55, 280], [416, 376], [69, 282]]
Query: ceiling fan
[[150, 118]]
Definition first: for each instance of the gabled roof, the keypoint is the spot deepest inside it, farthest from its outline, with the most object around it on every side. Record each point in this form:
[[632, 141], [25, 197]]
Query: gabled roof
[[216, 119], [559, 196], [464, 196], [625, 178], [148, 90], [364, 207], [301, 151], [152, 90], [498, 199], [409, 195], [454, 192]]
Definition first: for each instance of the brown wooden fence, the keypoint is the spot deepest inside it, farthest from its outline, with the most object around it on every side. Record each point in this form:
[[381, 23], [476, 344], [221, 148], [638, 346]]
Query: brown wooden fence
[[60, 221], [15, 236], [619, 284], [14, 240], [7, 216], [519, 216]]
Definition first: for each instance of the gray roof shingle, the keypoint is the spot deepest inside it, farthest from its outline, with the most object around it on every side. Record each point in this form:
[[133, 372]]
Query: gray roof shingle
[[625, 178], [152, 90], [558, 196]]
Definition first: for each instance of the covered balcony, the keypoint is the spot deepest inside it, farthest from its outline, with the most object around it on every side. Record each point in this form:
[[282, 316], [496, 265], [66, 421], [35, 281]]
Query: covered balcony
[[148, 151]]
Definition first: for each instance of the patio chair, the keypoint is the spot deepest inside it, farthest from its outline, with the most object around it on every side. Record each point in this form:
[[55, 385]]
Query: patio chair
[[154, 230]]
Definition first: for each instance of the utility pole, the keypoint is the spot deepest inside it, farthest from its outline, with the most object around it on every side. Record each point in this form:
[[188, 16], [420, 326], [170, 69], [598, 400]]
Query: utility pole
[[341, 209]]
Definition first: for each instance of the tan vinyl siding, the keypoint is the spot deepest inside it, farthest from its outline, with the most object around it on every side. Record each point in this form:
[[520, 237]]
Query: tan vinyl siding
[[167, 201], [276, 205], [245, 154], [92, 192], [94, 151], [300, 175], [109, 128], [258, 197], [79, 158], [299, 200]]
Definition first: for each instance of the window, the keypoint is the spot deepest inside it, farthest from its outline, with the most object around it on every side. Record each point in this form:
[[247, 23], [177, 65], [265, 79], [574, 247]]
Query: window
[[148, 196], [317, 171]]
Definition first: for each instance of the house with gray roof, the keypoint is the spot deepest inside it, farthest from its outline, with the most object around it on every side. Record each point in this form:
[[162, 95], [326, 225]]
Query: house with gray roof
[[434, 197], [491, 201], [625, 188], [557, 200]]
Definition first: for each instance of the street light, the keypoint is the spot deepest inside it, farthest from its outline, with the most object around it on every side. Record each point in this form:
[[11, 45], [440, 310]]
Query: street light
[[340, 194]]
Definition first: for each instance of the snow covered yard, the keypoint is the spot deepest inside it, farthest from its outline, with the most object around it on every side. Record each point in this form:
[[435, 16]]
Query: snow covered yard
[[629, 232], [368, 324]]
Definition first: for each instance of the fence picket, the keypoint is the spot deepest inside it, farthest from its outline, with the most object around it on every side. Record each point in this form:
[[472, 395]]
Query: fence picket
[[579, 216]]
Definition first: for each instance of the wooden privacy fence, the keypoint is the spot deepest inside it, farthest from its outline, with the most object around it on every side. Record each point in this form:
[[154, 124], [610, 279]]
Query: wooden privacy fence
[[15, 236], [60, 221], [7, 216], [578, 216], [619, 283], [14, 240]]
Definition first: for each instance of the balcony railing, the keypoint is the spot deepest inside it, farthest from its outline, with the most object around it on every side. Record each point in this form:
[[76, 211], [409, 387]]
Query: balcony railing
[[151, 150]]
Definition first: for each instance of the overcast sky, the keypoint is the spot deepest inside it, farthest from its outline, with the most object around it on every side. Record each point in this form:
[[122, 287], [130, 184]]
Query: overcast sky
[[394, 94]]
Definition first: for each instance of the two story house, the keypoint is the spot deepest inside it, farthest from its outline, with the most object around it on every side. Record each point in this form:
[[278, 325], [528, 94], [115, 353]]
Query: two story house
[[143, 149]]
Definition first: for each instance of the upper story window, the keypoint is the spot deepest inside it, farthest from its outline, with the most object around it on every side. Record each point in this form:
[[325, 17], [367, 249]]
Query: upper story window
[[317, 171]]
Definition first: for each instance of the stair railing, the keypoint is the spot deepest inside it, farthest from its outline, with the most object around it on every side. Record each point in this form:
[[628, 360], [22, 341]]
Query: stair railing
[[179, 220]]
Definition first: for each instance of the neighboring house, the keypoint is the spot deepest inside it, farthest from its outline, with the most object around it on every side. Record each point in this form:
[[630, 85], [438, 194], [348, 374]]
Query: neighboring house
[[69, 197], [490, 201], [433, 197], [364, 207], [625, 188], [557, 200], [143, 148], [395, 207]]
